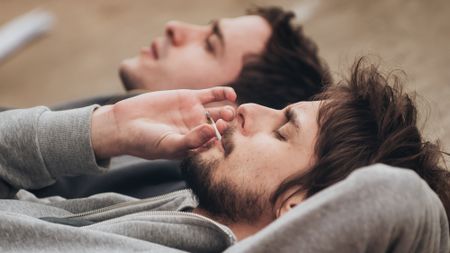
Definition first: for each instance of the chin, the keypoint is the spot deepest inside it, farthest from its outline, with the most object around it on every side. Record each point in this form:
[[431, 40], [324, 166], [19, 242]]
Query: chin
[[126, 76]]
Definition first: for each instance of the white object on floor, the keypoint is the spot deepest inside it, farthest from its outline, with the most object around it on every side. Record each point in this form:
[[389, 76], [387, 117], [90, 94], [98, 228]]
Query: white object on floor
[[22, 30], [305, 10]]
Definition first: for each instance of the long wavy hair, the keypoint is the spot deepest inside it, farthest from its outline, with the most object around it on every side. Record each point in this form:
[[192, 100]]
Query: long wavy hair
[[364, 120]]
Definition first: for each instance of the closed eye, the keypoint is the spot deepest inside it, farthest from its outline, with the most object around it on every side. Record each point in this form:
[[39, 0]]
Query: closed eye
[[289, 115]]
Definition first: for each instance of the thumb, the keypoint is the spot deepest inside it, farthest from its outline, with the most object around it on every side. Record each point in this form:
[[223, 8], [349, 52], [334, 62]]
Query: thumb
[[197, 137], [178, 145]]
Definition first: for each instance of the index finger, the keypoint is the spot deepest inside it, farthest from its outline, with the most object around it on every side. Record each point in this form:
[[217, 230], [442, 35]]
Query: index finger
[[226, 113], [216, 94]]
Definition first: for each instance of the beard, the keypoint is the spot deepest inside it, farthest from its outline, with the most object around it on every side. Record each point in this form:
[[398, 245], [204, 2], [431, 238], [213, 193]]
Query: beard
[[221, 197]]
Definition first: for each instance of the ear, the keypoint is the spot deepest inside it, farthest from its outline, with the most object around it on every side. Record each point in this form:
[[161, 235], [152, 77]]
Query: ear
[[288, 201]]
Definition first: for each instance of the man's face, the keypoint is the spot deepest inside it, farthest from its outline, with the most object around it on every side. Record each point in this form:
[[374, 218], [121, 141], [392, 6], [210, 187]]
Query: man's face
[[236, 177], [191, 56]]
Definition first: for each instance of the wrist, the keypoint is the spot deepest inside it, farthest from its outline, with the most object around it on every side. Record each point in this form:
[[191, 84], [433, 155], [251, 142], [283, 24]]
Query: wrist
[[104, 133]]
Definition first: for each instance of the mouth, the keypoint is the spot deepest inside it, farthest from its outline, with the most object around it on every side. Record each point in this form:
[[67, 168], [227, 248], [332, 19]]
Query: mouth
[[154, 50], [209, 145], [225, 146], [216, 143]]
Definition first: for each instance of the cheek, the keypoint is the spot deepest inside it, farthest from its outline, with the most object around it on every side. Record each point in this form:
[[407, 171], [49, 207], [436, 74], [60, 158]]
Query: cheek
[[258, 161], [239, 49], [198, 69]]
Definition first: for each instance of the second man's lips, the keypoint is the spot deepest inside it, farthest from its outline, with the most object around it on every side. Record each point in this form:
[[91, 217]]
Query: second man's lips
[[154, 48]]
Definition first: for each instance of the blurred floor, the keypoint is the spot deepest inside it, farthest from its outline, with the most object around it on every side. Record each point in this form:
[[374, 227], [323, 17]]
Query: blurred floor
[[79, 58]]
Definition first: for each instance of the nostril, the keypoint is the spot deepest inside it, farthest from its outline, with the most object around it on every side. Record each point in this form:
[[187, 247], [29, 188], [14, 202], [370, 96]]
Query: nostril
[[169, 33], [241, 120]]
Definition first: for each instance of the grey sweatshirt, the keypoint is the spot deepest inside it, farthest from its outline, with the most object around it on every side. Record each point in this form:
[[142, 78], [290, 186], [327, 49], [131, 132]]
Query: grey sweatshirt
[[376, 209]]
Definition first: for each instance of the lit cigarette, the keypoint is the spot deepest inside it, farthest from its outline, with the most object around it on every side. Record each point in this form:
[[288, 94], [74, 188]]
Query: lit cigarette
[[213, 124]]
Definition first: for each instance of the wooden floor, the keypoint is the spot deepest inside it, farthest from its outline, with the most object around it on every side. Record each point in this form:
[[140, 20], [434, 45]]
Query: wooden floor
[[79, 58]]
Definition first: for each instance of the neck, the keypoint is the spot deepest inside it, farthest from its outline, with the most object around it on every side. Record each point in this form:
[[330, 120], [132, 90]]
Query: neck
[[241, 230]]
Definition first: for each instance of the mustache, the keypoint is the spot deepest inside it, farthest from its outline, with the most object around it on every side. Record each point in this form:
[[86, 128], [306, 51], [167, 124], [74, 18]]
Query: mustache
[[227, 140]]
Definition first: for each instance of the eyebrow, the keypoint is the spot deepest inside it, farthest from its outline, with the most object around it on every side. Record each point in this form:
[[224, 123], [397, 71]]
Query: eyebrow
[[292, 117], [218, 31]]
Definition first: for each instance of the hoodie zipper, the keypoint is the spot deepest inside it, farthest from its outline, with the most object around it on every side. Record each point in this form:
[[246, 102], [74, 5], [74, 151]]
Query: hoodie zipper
[[127, 204], [205, 220]]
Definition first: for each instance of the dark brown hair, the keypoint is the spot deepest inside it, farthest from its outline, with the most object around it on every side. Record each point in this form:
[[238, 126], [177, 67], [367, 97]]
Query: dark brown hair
[[364, 121], [288, 70]]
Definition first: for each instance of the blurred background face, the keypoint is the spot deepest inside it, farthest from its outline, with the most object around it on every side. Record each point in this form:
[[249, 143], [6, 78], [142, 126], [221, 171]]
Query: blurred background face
[[235, 178], [191, 56]]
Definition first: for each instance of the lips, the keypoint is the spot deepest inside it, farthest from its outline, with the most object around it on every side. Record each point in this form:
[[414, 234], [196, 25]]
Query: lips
[[216, 142], [210, 144], [219, 144], [154, 49]]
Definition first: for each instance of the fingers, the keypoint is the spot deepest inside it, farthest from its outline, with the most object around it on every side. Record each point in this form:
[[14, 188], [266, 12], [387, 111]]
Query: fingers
[[193, 139], [226, 113], [200, 135], [216, 94], [177, 145], [221, 126]]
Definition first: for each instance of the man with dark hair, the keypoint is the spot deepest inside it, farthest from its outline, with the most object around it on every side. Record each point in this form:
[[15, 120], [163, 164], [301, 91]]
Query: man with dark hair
[[272, 160], [369, 120], [265, 42], [279, 180]]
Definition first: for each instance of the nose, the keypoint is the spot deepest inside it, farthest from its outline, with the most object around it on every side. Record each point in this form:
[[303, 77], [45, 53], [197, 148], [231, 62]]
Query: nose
[[254, 118], [180, 33]]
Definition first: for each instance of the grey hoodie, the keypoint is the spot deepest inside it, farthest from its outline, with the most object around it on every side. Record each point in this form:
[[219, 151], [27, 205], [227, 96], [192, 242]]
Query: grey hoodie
[[376, 209]]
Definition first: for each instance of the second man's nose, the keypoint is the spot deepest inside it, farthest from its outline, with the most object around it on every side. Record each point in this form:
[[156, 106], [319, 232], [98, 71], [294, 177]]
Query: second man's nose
[[180, 33]]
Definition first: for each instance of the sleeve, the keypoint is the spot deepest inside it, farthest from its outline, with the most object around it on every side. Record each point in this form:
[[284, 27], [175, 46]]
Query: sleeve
[[376, 209], [38, 145]]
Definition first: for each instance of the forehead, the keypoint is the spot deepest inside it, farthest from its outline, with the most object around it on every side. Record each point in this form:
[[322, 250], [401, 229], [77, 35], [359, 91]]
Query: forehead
[[309, 107], [244, 24], [250, 31]]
